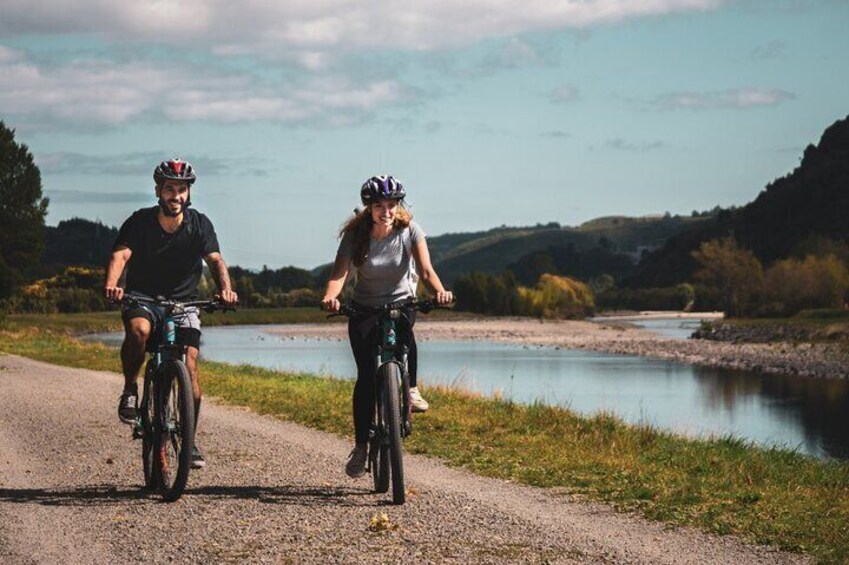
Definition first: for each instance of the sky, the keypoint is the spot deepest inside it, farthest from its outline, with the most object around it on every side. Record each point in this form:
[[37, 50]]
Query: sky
[[491, 112]]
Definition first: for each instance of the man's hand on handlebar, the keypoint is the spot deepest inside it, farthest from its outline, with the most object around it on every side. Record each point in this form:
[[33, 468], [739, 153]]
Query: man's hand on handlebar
[[113, 293], [228, 297]]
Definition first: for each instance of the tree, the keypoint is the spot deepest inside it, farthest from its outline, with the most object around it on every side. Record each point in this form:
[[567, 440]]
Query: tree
[[22, 212], [813, 282], [732, 270], [559, 297]]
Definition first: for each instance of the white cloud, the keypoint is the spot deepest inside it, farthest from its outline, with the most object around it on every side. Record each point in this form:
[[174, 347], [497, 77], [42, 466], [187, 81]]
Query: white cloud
[[257, 25], [732, 98], [620, 144], [107, 93], [564, 94], [140, 163], [8, 55], [775, 49], [514, 53]]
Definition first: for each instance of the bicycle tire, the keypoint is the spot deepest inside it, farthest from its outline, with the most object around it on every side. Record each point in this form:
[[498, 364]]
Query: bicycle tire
[[389, 376], [147, 418], [380, 465], [174, 437], [406, 404]]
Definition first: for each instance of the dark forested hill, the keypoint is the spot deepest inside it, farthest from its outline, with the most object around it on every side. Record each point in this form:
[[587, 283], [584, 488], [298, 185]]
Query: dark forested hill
[[616, 240], [78, 242], [811, 202]]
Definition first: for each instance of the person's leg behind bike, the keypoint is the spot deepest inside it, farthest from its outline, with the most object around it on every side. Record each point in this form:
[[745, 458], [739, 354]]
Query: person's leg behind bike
[[407, 336], [188, 334]]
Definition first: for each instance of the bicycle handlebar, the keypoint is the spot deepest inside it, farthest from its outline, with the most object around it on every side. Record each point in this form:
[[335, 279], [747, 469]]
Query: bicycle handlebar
[[423, 306], [205, 305]]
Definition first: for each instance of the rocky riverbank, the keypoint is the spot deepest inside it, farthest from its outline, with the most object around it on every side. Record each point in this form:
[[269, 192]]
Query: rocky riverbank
[[773, 333], [824, 360]]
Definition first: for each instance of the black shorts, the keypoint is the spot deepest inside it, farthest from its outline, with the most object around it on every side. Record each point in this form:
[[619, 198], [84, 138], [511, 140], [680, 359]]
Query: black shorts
[[187, 331]]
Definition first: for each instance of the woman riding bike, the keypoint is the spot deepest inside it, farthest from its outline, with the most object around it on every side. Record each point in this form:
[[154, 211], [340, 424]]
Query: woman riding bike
[[388, 251]]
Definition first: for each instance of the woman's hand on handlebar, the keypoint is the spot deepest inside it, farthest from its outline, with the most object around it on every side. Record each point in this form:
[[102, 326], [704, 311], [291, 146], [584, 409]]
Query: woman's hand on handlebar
[[444, 297], [331, 304]]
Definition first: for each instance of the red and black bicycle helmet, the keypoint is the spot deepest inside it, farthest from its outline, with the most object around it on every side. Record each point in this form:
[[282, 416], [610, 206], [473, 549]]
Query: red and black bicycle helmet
[[174, 169], [382, 186]]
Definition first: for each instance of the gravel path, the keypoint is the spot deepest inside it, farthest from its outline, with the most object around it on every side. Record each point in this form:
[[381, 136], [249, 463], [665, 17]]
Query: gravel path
[[275, 492]]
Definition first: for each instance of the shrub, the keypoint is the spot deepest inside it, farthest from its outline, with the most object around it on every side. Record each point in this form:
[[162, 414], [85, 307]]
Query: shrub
[[558, 297], [813, 282]]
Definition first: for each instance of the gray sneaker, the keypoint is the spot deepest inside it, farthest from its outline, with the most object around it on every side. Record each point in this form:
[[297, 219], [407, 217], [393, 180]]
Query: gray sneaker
[[127, 406], [356, 466]]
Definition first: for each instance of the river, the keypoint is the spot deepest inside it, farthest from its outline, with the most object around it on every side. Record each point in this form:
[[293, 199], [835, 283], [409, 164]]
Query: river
[[810, 415]]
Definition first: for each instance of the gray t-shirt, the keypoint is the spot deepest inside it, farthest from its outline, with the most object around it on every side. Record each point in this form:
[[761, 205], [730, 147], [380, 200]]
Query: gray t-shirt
[[387, 274]]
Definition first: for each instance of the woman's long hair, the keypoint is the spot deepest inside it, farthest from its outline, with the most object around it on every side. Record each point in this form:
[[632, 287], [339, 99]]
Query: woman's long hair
[[360, 224]]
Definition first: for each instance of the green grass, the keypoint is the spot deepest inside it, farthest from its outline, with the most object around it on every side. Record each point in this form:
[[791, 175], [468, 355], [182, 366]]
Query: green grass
[[93, 322], [96, 322], [726, 486]]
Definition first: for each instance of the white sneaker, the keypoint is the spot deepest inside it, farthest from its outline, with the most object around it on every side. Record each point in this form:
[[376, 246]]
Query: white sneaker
[[418, 403]]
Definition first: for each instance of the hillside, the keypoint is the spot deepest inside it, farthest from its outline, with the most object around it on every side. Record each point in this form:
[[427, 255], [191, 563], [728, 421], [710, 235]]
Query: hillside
[[812, 202], [496, 250], [77, 242]]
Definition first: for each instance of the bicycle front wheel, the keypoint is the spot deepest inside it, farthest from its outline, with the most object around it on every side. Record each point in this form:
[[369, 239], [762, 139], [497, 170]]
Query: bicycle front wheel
[[175, 414], [379, 455], [389, 379], [148, 416]]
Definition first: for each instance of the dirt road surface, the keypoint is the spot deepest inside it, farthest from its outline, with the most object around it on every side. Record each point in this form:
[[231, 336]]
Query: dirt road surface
[[275, 492]]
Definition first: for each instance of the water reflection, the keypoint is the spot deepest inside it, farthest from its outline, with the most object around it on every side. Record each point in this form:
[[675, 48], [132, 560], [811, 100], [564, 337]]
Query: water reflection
[[811, 415], [819, 408]]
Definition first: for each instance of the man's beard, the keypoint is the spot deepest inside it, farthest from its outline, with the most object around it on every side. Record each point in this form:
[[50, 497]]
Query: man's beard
[[167, 211]]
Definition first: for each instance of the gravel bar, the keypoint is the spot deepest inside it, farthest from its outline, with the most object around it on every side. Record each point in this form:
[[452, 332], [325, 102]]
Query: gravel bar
[[821, 360]]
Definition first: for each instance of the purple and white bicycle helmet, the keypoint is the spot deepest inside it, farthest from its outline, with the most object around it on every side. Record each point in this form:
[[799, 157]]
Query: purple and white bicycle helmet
[[382, 186], [174, 169]]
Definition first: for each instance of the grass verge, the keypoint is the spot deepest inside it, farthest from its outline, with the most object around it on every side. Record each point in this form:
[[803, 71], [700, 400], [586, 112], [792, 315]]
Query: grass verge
[[725, 486], [95, 322]]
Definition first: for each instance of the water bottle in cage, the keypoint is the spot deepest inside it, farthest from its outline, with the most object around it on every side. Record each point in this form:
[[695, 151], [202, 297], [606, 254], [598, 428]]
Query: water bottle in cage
[[170, 330]]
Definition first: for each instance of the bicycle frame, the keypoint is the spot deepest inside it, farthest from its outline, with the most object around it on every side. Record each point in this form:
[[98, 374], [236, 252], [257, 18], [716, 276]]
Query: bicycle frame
[[388, 350], [392, 408], [165, 415]]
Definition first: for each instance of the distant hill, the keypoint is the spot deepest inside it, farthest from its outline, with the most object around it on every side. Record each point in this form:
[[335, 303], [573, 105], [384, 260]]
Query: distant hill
[[811, 202], [78, 242], [495, 250]]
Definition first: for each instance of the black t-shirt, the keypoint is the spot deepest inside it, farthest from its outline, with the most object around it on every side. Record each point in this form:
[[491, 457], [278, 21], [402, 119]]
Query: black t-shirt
[[162, 263]]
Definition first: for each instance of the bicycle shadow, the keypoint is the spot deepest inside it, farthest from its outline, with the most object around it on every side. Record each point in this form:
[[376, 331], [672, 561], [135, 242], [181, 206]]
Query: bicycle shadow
[[93, 495], [106, 495], [289, 495]]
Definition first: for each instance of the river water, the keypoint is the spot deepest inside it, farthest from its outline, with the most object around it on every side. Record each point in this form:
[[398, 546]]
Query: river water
[[810, 415]]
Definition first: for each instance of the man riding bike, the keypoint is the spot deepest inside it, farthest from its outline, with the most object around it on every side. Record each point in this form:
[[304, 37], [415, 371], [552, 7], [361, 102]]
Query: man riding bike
[[162, 248]]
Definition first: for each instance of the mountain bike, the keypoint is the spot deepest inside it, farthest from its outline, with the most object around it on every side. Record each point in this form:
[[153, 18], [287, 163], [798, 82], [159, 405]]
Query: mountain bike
[[166, 410], [391, 417]]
